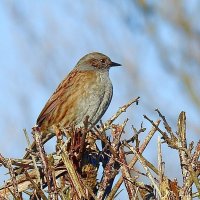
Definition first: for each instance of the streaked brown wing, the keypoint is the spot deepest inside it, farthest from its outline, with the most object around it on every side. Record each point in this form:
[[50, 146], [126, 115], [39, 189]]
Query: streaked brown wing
[[56, 98]]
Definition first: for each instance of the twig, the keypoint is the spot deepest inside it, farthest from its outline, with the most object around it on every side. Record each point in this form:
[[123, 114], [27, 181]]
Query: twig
[[84, 134], [151, 178], [136, 134], [131, 189], [74, 178], [8, 164], [172, 142], [116, 115], [44, 162], [35, 186], [160, 164], [103, 138], [134, 160], [182, 140], [193, 168], [167, 126], [14, 181], [32, 157], [186, 190], [110, 171]]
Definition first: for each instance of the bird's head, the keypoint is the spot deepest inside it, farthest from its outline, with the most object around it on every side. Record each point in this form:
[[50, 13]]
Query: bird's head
[[96, 61]]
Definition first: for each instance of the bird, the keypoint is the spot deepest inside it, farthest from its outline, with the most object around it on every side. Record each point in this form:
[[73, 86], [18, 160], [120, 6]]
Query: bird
[[86, 91]]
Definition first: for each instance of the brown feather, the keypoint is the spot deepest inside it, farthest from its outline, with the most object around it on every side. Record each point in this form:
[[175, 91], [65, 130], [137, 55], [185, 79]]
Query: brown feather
[[61, 103], [56, 98]]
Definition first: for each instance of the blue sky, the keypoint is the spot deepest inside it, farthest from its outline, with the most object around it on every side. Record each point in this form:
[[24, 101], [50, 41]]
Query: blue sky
[[41, 41]]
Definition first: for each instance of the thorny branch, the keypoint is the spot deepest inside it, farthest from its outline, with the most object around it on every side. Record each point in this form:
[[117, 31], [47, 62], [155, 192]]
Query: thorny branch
[[71, 171]]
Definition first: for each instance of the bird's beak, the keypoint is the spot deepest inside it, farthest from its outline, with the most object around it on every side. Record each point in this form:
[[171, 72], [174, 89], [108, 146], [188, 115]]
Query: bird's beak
[[113, 64]]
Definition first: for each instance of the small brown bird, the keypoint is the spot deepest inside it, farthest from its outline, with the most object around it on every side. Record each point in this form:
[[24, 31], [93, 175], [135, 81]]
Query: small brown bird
[[86, 91]]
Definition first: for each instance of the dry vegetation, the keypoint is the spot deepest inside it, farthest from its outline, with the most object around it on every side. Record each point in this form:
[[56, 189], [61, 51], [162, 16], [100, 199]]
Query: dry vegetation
[[71, 171]]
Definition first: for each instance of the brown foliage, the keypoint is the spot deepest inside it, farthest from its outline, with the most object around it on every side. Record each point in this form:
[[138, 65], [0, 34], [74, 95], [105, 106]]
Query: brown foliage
[[71, 171]]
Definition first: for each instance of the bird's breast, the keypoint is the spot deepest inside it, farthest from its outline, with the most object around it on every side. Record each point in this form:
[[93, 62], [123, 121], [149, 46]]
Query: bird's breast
[[95, 98]]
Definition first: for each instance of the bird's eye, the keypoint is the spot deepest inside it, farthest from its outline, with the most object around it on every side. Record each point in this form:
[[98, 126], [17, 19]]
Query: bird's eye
[[103, 60]]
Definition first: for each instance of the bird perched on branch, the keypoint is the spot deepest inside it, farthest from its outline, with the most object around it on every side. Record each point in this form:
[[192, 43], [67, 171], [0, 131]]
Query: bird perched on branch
[[86, 91]]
